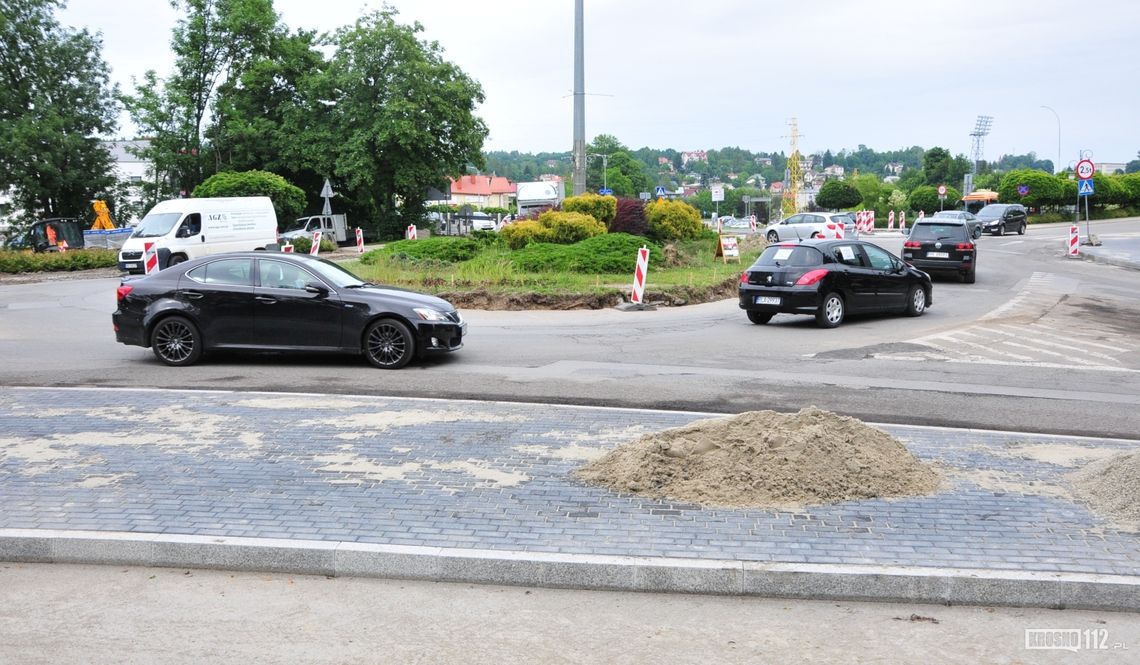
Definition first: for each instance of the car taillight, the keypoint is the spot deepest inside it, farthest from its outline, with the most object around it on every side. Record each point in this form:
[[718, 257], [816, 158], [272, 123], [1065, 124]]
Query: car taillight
[[744, 277], [965, 246], [811, 277], [122, 292], [912, 244]]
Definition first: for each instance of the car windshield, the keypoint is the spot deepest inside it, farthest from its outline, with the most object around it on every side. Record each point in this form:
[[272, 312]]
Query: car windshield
[[952, 214], [298, 225], [335, 275], [992, 210], [156, 225], [789, 255], [938, 232]]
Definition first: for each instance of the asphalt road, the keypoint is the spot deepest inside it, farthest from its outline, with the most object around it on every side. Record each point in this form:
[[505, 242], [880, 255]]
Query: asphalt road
[[1040, 343], [109, 614]]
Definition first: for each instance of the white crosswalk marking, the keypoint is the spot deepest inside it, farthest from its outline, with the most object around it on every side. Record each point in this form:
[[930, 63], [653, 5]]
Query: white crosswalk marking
[[1027, 330]]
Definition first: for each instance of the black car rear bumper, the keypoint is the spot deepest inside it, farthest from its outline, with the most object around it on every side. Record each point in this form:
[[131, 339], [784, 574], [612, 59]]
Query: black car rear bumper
[[941, 266], [793, 300]]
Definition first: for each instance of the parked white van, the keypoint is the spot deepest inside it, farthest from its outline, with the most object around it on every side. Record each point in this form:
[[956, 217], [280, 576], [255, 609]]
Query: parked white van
[[184, 229]]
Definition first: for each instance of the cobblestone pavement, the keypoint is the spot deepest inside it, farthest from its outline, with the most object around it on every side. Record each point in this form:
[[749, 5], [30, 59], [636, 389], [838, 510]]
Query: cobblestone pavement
[[497, 476]]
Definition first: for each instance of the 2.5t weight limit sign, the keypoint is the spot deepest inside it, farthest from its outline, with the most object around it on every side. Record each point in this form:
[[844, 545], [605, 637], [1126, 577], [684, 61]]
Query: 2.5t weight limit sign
[[1085, 169]]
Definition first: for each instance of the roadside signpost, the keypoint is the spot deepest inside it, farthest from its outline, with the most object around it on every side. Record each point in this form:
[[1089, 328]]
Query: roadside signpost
[[717, 192], [606, 191], [644, 196], [1086, 169], [941, 195], [660, 193]]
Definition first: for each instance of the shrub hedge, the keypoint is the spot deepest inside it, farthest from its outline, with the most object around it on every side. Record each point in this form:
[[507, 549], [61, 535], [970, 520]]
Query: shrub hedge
[[630, 218], [673, 220], [442, 249], [601, 208], [602, 254], [302, 245], [561, 228], [79, 259]]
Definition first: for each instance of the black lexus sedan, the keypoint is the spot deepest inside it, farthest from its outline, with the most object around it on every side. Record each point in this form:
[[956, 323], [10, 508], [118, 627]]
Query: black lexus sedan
[[830, 279], [280, 302]]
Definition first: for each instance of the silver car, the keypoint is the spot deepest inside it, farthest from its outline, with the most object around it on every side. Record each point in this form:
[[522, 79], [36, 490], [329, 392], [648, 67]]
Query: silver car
[[806, 225], [973, 223]]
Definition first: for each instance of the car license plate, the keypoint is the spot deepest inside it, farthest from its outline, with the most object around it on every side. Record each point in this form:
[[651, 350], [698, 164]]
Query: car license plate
[[767, 300], [938, 255], [128, 266]]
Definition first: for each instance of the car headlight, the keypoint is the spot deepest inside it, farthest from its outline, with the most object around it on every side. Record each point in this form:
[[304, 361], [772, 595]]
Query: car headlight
[[428, 314]]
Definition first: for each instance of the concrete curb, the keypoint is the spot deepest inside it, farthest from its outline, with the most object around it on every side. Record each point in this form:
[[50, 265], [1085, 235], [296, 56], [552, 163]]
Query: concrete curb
[[1097, 256], [950, 586]]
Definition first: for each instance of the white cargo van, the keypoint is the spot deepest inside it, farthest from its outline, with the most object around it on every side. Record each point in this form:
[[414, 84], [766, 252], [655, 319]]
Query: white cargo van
[[184, 229]]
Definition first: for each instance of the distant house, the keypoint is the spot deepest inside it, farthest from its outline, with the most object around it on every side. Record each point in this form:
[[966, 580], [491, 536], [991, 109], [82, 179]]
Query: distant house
[[485, 191], [690, 190], [834, 171], [894, 168], [1108, 168], [550, 177], [662, 161], [694, 156], [764, 161], [777, 187]]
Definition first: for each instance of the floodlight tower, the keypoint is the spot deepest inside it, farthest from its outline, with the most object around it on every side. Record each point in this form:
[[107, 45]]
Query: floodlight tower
[[981, 128]]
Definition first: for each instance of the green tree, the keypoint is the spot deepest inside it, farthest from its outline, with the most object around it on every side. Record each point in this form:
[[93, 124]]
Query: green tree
[[870, 188], [390, 117], [288, 200], [836, 194], [55, 101], [1043, 188], [925, 198], [936, 166], [673, 220], [1134, 165]]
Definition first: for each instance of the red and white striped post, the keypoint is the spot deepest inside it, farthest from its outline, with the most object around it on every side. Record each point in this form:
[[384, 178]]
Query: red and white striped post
[[891, 220], [150, 258], [410, 232], [752, 223], [359, 240], [316, 248], [870, 221], [921, 216], [638, 294], [860, 220], [902, 220], [1074, 241]]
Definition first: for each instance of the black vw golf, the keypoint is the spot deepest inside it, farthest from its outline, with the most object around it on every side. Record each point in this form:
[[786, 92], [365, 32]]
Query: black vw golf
[[280, 302], [831, 279]]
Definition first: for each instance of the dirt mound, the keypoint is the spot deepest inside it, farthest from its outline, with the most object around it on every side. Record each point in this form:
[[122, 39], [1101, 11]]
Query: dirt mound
[[765, 459], [1112, 487]]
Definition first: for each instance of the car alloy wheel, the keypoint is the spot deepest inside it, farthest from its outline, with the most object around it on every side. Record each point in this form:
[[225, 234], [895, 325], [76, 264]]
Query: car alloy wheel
[[175, 341], [1001, 229], [831, 311], [773, 237], [1021, 229], [916, 302], [388, 344]]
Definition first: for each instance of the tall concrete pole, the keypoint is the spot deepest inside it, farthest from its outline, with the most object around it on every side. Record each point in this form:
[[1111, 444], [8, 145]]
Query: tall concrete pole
[[579, 103]]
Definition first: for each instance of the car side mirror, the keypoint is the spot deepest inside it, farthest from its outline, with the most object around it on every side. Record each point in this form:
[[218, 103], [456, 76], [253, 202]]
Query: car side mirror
[[317, 288]]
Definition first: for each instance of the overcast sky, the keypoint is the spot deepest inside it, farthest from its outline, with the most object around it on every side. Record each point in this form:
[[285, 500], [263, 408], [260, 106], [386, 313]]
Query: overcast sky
[[701, 75]]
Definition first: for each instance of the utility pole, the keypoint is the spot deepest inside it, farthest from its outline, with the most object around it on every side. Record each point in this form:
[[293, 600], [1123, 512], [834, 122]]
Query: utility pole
[[579, 177]]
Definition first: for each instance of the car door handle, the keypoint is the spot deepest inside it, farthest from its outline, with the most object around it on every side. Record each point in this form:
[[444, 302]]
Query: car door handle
[[268, 300], [195, 295]]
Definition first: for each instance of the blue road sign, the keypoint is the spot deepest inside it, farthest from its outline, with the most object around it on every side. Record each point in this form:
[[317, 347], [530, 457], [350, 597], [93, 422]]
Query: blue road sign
[[1022, 190], [1084, 187], [660, 191], [605, 191]]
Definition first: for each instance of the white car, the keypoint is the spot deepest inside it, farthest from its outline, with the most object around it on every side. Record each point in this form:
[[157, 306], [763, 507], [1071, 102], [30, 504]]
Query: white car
[[806, 225]]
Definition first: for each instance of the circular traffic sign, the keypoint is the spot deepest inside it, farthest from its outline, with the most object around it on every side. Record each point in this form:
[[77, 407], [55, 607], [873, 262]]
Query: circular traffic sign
[[942, 190], [1085, 169]]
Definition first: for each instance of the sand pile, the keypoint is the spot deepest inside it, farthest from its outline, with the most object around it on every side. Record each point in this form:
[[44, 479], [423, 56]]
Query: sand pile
[[764, 458], [1112, 487]]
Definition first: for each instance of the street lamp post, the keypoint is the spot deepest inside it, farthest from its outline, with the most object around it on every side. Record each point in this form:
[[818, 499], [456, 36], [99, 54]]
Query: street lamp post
[[1057, 168], [605, 168]]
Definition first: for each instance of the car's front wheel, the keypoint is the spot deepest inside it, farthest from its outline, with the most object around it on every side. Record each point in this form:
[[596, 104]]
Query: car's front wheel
[[176, 341], [916, 301], [1000, 229], [977, 232], [831, 311], [759, 318], [389, 344]]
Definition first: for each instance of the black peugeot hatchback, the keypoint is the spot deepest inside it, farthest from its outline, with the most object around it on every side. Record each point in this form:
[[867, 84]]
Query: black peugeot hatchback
[[280, 302], [830, 279]]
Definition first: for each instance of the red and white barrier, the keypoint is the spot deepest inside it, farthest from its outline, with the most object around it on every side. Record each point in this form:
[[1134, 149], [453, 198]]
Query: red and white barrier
[[870, 221], [752, 223], [639, 276], [1074, 241], [860, 221], [902, 220], [833, 231], [287, 248], [62, 245], [150, 258], [891, 220], [316, 248], [921, 216], [410, 232], [359, 240]]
